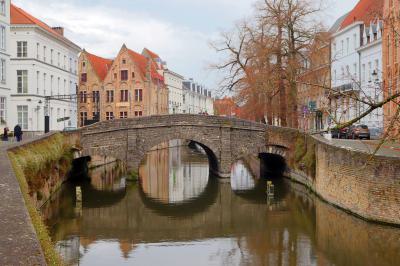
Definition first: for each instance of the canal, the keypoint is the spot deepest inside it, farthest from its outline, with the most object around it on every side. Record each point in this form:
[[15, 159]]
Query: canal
[[179, 214]]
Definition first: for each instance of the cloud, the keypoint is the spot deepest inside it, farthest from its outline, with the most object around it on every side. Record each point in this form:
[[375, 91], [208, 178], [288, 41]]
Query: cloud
[[103, 29]]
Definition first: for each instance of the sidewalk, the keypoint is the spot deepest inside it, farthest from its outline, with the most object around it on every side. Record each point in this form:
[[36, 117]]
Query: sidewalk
[[19, 244], [388, 149]]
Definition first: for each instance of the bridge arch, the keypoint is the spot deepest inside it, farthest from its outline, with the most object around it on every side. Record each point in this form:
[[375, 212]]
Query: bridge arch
[[128, 140], [209, 147]]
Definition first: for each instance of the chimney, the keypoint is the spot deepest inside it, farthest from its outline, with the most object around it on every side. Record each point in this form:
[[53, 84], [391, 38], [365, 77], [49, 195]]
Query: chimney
[[59, 30]]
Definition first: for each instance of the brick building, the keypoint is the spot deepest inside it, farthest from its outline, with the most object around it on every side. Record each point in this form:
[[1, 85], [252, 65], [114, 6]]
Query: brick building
[[391, 59], [314, 78], [128, 86]]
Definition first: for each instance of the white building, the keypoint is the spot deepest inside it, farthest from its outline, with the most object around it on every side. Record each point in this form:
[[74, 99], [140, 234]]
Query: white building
[[197, 99], [174, 83], [4, 63], [356, 54], [43, 64], [371, 73]]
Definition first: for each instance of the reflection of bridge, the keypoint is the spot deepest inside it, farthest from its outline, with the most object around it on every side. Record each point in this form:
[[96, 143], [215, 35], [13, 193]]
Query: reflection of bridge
[[224, 139]]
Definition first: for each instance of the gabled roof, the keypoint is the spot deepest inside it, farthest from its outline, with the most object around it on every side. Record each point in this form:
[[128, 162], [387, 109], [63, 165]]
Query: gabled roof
[[151, 54], [21, 17], [336, 26], [365, 11], [142, 62], [100, 65], [155, 58]]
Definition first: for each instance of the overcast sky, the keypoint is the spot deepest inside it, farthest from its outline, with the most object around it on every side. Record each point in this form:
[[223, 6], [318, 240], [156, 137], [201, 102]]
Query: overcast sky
[[178, 30]]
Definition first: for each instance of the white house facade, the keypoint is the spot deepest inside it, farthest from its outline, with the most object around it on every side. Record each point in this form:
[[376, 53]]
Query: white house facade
[[5, 90], [356, 65], [197, 99], [43, 74], [371, 74], [174, 83], [345, 71]]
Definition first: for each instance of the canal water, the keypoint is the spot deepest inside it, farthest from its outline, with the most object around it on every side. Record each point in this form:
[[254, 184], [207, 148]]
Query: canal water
[[180, 215]]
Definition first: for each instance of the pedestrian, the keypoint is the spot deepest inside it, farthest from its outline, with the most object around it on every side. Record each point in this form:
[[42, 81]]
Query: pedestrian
[[5, 134], [18, 133]]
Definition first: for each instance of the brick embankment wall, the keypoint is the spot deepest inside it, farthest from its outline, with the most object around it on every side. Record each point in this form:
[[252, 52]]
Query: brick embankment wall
[[366, 186]]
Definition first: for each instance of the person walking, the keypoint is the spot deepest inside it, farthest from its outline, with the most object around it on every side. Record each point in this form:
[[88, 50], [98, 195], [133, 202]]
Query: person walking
[[18, 133], [5, 134]]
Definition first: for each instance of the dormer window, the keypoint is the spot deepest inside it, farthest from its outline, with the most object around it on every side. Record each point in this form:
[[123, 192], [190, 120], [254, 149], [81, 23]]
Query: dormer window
[[123, 61]]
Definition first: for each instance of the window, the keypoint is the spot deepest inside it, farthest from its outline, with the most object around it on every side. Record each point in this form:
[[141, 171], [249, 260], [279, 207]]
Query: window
[[115, 76], [37, 50], [65, 62], [363, 73], [109, 115], [58, 59], [123, 115], [3, 7], [342, 43], [124, 95], [58, 86], [96, 96], [83, 118], [51, 85], [44, 53], [22, 111], [369, 71], [44, 84], [84, 77], [123, 61], [65, 87], [3, 37], [37, 81], [51, 56], [83, 97], [3, 71], [70, 65], [355, 41], [138, 95], [133, 75], [124, 74], [22, 49], [95, 116], [3, 108], [110, 96], [22, 81], [138, 113]]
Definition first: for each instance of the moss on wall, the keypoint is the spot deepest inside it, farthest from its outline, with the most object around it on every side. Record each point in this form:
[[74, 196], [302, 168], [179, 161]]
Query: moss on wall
[[304, 155], [40, 168], [45, 165]]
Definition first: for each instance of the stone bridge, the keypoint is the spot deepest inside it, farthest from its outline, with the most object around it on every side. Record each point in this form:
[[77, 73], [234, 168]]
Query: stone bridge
[[225, 140]]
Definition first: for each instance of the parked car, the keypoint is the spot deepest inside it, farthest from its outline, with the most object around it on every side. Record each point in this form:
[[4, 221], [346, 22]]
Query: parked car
[[343, 133], [335, 133], [339, 133], [359, 132]]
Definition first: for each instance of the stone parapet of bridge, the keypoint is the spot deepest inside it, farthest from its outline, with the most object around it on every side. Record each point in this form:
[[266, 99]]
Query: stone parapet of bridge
[[224, 139]]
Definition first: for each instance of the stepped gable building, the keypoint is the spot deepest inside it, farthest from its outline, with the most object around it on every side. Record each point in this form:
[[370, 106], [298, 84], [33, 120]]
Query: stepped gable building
[[129, 85], [43, 66]]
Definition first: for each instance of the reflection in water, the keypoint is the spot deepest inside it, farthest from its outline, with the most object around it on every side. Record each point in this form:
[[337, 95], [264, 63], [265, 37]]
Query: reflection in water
[[224, 224], [175, 174], [241, 178]]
